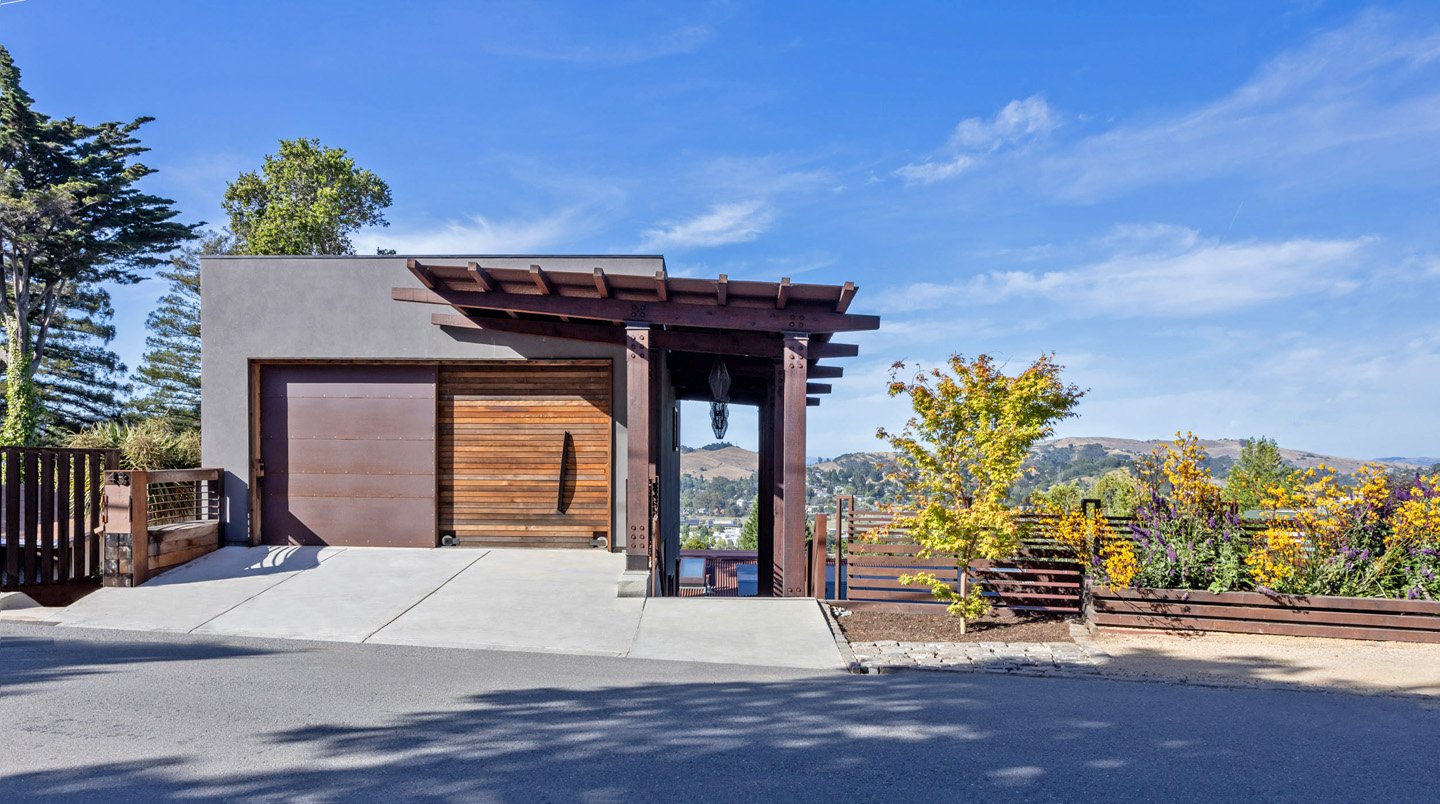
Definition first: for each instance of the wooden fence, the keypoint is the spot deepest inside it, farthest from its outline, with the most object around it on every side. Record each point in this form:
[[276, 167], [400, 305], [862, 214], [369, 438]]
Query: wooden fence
[[50, 514], [1255, 613], [1041, 577]]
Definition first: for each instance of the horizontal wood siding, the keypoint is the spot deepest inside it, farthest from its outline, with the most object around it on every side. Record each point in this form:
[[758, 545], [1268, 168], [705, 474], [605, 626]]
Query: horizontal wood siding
[[1255, 613], [525, 452]]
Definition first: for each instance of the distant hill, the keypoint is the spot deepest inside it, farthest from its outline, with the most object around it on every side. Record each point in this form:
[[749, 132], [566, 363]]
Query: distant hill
[[718, 460], [719, 478]]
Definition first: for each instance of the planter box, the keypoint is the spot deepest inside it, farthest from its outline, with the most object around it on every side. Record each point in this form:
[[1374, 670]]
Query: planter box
[[1255, 613]]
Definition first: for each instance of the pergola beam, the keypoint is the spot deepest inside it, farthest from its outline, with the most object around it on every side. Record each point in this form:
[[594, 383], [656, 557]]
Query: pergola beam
[[542, 282], [782, 293], [847, 294], [662, 287], [602, 285], [422, 273], [722, 290], [481, 277], [820, 372], [749, 319]]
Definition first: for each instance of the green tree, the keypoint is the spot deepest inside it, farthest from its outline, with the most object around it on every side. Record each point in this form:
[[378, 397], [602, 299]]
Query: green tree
[[750, 529], [1117, 492], [1061, 498], [1259, 469], [307, 199], [959, 455], [71, 219], [170, 369]]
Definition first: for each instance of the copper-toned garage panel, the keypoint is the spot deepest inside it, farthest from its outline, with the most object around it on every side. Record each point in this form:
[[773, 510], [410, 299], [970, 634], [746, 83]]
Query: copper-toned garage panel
[[348, 453]]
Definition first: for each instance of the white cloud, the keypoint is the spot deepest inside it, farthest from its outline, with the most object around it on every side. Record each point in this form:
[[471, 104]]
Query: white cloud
[[1159, 270], [927, 172], [479, 234], [736, 222], [1019, 122]]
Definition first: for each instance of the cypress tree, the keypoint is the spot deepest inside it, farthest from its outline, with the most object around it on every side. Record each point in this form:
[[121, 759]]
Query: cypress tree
[[170, 370], [71, 220]]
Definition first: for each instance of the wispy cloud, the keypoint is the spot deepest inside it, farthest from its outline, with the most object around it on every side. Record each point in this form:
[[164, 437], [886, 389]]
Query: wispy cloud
[[480, 234], [722, 224], [1018, 123], [1162, 271], [674, 42], [1372, 82]]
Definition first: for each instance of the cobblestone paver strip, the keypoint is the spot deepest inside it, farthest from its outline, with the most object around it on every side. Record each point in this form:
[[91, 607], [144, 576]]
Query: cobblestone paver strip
[[1028, 658]]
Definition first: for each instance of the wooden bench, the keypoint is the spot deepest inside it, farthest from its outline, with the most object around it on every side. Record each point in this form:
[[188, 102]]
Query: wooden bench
[[159, 519]]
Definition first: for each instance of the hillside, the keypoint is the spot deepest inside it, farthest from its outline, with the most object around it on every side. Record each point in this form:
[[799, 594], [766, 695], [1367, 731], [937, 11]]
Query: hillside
[[718, 479]]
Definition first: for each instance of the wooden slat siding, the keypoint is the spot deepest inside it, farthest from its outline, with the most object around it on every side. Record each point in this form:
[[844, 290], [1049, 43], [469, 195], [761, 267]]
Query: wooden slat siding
[[79, 486], [99, 464], [30, 519], [46, 533], [62, 515], [501, 435], [1254, 613]]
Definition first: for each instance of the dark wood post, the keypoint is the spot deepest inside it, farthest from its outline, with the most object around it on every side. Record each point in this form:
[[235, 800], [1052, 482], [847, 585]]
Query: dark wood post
[[817, 556], [127, 528], [767, 494], [640, 451], [792, 539]]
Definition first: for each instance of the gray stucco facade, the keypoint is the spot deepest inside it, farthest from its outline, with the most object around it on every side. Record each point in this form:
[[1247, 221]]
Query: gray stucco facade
[[339, 308]]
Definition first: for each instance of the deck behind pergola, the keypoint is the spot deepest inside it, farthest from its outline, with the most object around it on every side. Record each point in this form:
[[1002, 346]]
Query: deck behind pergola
[[772, 337]]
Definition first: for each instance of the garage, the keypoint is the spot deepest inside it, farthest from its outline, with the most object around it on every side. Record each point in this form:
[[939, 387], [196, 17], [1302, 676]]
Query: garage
[[484, 453], [346, 455]]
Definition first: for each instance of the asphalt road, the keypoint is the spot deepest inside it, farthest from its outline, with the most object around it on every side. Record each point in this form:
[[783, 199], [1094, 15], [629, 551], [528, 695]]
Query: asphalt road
[[136, 717]]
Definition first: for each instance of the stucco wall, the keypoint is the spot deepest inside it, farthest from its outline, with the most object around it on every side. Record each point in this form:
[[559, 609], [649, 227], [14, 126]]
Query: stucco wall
[[255, 308]]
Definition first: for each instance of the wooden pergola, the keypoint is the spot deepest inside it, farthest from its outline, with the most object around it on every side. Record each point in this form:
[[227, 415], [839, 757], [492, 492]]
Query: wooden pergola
[[772, 337]]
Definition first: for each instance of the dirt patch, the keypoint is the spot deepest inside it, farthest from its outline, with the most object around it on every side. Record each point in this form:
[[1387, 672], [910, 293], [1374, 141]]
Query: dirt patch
[[58, 594], [876, 626]]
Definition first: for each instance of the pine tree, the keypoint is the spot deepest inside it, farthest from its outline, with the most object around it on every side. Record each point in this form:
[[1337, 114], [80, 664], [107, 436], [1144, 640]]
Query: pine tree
[[169, 373], [1260, 468], [71, 220]]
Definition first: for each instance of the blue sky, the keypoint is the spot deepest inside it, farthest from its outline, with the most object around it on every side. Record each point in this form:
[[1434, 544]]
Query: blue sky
[[1221, 216]]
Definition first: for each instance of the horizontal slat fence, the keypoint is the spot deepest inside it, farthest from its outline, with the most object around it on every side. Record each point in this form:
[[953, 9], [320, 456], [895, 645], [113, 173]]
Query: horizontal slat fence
[[1255, 613], [50, 514], [1041, 577]]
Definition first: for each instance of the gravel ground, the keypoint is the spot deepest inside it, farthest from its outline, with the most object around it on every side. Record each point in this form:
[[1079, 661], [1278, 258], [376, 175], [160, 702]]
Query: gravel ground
[[877, 626]]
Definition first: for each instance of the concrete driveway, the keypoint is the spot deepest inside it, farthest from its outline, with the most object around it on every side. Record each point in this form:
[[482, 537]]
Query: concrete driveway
[[554, 601]]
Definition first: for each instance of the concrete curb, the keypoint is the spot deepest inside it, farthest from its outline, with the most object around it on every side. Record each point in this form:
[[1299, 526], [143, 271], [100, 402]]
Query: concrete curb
[[852, 665], [11, 601]]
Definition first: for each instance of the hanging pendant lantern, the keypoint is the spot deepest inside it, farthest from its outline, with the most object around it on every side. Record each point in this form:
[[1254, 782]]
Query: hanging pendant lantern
[[720, 399]]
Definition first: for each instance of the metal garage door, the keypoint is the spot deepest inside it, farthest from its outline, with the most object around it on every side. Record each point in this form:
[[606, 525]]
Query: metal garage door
[[347, 455]]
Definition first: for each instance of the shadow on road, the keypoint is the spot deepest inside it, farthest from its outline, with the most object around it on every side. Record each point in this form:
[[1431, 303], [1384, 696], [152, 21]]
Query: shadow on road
[[907, 736]]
